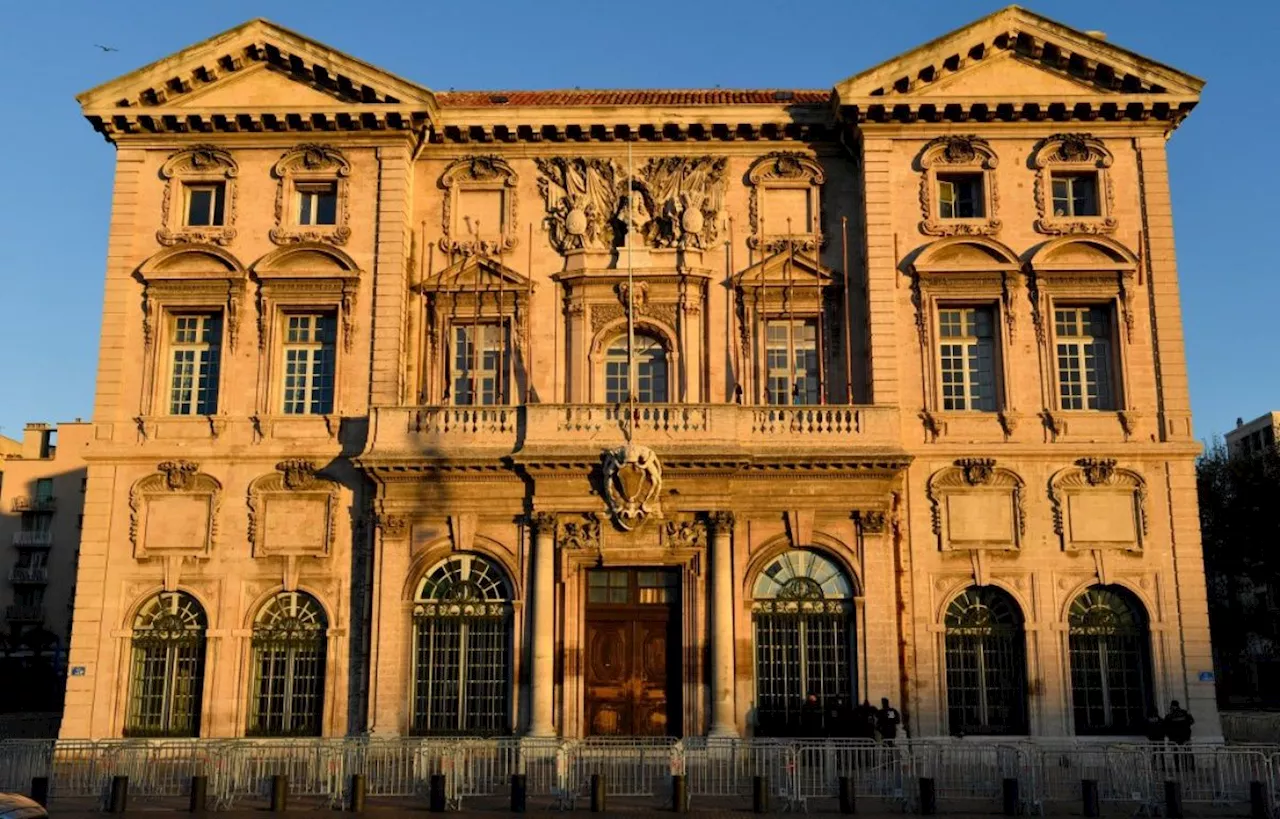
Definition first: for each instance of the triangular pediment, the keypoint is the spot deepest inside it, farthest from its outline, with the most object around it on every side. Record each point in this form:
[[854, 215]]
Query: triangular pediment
[[256, 64], [783, 269], [1017, 53], [475, 273]]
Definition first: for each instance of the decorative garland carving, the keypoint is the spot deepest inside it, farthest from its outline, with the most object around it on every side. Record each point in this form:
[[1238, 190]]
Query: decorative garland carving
[[685, 534], [786, 169], [977, 475], [1068, 152], [479, 172], [311, 162], [958, 154], [199, 163], [583, 534], [1090, 475], [393, 526], [294, 479], [176, 477]]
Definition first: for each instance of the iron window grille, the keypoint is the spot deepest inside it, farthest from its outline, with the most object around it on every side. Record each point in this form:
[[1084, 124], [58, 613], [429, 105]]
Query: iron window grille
[[1108, 639], [802, 622], [462, 650], [167, 679], [985, 664], [290, 641]]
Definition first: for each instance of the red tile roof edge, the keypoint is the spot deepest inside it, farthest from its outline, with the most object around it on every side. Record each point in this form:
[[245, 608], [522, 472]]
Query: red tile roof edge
[[641, 96]]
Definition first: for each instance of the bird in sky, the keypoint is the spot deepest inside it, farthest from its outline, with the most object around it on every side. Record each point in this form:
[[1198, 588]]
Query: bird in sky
[[106, 48]]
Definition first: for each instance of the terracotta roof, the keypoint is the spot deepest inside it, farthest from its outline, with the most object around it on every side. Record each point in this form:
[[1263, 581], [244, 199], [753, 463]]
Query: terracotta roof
[[695, 96]]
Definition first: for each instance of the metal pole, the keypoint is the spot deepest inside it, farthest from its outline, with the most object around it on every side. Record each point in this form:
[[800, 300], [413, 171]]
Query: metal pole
[[730, 321], [759, 795], [500, 389], [357, 793], [40, 790], [199, 794], [848, 312], [119, 799], [519, 793], [435, 798], [679, 794], [1089, 796], [279, 793], [788, 298], [597, 793], [928, 797], [528, 321], [1011, 800], [477, 337], [631, 299], [1173, 799]]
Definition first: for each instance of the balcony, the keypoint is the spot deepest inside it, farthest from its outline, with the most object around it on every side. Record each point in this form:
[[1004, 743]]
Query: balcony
[[723, 430], [41, 539], [27, 503], [23, 613], [29, 574]]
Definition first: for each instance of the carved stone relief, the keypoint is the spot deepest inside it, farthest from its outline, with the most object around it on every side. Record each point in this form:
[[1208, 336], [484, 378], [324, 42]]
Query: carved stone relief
[[958, 154], [293, 511], [632, 482], [783, 171], [977, 505], [1098, 505], [198, 164], [580, 533], [1073, 152], [479, 174], [685, 534], [310, 162], [174, 511]]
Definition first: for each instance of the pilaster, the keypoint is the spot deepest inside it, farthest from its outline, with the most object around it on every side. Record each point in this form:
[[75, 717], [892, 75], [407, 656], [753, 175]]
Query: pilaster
[[391, 263]]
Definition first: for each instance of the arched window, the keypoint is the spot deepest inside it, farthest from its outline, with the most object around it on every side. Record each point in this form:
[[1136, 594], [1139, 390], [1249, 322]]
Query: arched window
[[986, 663], [290, 638], [167, 680], [1110, 662], [651, 370], [462, 649], [802, 618]]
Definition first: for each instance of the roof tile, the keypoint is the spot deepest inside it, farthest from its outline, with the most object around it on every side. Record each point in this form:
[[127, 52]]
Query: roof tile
[[577, 97]]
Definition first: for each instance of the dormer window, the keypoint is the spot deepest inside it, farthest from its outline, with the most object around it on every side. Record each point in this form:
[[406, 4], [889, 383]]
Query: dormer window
[[206, 205], [1073, 185], [317, 203], [1075, 194], [958, 187]]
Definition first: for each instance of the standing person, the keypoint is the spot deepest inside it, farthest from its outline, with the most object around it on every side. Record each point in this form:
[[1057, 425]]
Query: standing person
[[838, 718], [1155, 735], [870, 719], [1177, 727], [811, 716], [887, 721]]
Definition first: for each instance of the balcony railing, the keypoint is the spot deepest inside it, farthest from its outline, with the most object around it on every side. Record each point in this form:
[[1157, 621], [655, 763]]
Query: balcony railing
[[22, 613], [488, 431], [27, 503], [33, 538], [29, 574]]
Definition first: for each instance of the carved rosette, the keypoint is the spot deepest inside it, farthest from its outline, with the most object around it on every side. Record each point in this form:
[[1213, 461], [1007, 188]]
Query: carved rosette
[[958, 154], [785, 169], [1073, 152], [479, 172], [310, 162], [968, 500], [293, 511], [174, 511], [633, 482], [198, 164], [1099, 505]]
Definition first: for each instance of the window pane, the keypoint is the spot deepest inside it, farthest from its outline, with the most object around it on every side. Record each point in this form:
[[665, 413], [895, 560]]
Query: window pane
[[194, 344], [1085, 358], [960, 196], [308, 358], [481, 367], [651, 371], [792, 362], [967, 358], [200, 207]]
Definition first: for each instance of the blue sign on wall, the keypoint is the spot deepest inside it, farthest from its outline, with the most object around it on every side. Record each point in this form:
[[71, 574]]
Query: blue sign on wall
[[77, 671], [1206, 676]]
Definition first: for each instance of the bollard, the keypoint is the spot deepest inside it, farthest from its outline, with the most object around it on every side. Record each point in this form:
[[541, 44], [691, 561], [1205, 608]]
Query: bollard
[[848, 803], [759, 795], [519, 793], [597, 793], [679, 794], [199, 791], [435, 798], [357, 793], [928, 797], [279, 793], [1173, 799], [1259, 804], [1009, 791], [119, 801], [1089, 795], [40, 790]]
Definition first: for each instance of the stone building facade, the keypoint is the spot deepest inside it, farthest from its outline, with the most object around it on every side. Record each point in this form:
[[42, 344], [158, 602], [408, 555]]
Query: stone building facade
[[641, 412]]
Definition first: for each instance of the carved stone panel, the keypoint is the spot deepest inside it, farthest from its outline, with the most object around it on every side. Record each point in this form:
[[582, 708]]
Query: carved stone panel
[[174, 511], [480, 203], [197, 165], [958, 155], [785, 207], [1099, 506], [977, 505], [292, 511], [1066, 153], [311, 163]]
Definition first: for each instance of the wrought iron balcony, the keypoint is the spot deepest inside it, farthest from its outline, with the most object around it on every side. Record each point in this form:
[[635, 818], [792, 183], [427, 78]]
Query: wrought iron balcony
[[29, 574], [44, 538], [21, 613], [27, 503]]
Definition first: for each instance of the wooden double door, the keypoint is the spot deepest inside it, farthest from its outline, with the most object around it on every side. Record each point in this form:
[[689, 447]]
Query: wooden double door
[[633, 667]]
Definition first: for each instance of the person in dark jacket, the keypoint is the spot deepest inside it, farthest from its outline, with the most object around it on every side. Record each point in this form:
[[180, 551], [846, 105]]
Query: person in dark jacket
[[887, 721], [1177, 727], [811, 716], [1155, 735], [837, 722]]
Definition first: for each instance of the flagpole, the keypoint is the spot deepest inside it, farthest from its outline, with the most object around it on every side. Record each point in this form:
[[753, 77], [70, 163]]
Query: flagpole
[[503, 335], [791, 324], [631, 299], [476, 336], [848, 319], [528, 320]]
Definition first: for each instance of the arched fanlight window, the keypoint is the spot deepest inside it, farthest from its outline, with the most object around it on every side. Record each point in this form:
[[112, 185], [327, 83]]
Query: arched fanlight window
[[1110, 662], [651, 370], [802, 619], [167, 680], [290, 638], [986, 663], [462, 649]]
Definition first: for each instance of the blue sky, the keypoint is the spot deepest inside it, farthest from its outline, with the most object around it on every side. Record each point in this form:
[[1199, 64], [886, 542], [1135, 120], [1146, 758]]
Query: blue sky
[[57, 173]]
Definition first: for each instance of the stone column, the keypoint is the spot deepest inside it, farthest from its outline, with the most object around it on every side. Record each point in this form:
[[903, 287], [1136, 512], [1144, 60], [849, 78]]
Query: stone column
[[543, 633], [723, 709]]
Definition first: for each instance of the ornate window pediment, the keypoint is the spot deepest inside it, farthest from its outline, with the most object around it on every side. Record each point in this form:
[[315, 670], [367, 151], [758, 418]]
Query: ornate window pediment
[[293, 511], [785, 206], [958, 193], [192, 276], [1089, 268], [978, 505], [1073, 158], [1097, 505], [205, 168], [480, 202], [305, 175], [307, 275], [174, 511]]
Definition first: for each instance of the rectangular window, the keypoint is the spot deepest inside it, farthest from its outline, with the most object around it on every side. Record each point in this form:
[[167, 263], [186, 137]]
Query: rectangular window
[[481, 361], [796, 342], [960, 196], [205, 204], [195, 348], [1085, 357], [317, 203], [967, 358], [1075, 194], [44, 490], [308, 354]]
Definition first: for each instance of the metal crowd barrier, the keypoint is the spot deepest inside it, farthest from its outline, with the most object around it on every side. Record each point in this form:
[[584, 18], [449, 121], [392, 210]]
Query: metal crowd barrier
[[966, 774]]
